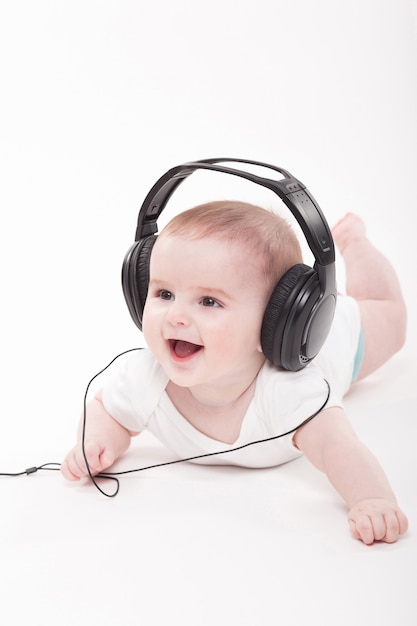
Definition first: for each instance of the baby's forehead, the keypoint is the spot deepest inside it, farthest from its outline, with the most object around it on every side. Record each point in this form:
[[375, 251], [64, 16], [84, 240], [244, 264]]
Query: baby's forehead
[[212, 247], [218, 240], [211, 252]]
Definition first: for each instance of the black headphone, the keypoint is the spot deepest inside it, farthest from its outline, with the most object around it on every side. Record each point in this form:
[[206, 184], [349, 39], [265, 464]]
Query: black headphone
[[299, 314]]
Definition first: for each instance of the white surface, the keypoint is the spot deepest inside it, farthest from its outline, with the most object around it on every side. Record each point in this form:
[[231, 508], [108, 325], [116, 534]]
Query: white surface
[[98, 100]]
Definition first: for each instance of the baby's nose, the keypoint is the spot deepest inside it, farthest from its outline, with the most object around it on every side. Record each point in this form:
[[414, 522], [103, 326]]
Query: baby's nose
[[178, 314]]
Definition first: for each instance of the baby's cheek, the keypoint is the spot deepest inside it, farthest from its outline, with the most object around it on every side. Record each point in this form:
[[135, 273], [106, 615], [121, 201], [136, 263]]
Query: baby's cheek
[[147, 326], [231, 345], [148, 317]]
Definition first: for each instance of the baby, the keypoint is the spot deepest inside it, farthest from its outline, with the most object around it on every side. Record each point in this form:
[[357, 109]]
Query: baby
[[204, 386]]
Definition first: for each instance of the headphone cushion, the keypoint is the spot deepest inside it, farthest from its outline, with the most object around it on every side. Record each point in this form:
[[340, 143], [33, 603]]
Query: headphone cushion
[[135, 277], [278, 307]]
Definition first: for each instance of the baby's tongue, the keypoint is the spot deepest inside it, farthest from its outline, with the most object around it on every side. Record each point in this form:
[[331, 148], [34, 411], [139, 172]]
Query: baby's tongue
[[185, 348]]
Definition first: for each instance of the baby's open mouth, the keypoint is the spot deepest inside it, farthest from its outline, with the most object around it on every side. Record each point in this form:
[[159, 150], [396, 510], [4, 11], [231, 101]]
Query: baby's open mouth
[[184, 349]]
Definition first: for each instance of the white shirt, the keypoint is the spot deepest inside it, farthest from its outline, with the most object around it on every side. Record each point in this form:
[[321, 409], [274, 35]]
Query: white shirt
[[136, 397]]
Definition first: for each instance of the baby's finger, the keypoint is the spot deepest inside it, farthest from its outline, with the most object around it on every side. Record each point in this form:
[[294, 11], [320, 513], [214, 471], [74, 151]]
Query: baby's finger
[[73, 467], [394, 526], [379, 525], [92, 455], [362, 528], [403, 522], [67, 469]]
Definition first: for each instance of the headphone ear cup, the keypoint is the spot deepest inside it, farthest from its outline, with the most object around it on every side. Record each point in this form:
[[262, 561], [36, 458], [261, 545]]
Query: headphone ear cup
[[285, 315], [135, 277]]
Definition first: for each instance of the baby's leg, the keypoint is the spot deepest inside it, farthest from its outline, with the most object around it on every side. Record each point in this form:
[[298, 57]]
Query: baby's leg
[[372, 281]]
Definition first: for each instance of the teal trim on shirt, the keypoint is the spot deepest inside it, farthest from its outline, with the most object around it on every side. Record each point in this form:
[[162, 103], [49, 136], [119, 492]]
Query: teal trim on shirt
[[360, 351]]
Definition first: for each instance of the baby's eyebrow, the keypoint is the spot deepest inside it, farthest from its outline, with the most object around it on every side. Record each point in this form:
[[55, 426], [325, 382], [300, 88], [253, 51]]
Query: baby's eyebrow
[[217, 291]]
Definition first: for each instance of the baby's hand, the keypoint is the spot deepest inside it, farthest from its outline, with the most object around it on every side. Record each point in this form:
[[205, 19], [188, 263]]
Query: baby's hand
[[98, 456], [377, 520]]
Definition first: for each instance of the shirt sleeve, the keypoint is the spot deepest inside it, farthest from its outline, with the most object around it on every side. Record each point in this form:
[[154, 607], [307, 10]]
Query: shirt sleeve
[[289, 399], [132, 393]]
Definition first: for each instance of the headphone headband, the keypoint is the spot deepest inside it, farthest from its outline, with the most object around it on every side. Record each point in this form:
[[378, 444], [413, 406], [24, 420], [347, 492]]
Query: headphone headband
[[291, 191]]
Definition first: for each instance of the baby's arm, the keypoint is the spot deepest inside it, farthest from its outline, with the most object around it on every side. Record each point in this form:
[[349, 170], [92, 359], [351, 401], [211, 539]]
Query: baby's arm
[[105, 441], [329, 442]]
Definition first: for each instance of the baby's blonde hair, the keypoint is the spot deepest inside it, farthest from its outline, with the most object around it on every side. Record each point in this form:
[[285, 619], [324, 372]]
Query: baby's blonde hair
[[265, 234]]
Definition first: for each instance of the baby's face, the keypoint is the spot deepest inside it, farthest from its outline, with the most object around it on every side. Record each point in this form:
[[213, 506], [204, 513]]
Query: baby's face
[[204, 310]]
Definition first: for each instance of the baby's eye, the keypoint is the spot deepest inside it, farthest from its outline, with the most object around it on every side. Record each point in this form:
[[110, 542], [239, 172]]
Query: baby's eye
[[164, 294], [207, 301]]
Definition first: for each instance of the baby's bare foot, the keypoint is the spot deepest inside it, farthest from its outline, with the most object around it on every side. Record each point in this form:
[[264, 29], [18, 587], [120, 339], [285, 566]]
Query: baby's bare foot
[[349, 228]]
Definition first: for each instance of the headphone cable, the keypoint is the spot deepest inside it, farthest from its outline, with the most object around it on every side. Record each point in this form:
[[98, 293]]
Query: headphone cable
[[113, 475]]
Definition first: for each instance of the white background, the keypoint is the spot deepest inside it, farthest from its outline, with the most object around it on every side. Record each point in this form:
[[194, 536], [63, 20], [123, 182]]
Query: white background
[[98, 99]]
